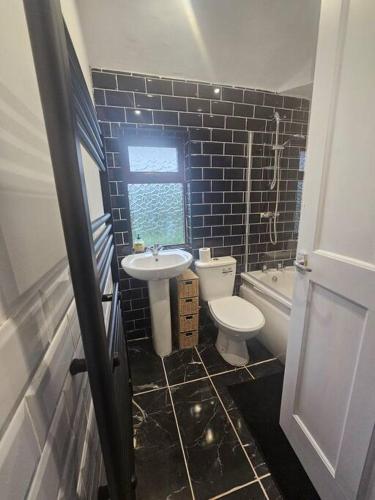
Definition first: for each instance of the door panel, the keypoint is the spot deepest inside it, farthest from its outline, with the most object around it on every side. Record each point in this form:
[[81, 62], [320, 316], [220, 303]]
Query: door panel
[[332, 338], [328, 405]]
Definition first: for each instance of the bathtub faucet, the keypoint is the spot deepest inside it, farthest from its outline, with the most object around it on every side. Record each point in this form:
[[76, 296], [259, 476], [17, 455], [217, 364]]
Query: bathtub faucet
[[264, 268]]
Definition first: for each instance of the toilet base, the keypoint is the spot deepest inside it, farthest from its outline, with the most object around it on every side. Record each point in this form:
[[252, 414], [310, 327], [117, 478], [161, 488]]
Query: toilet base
[[232, 351]]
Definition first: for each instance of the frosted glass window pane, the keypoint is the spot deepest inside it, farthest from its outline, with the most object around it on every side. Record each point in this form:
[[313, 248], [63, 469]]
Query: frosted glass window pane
[[152, 159], [157, 213]]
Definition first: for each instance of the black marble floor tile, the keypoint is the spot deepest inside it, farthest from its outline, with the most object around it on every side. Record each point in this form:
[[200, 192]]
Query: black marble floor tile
[[153, 402], [184, 365], [271, 489], [146, 366], [240, 426], [248, 441], [259, 464], [267, 368], [222, 382], [160, 466], [215, 459], [212, 359], [257, 351], [250, 492]]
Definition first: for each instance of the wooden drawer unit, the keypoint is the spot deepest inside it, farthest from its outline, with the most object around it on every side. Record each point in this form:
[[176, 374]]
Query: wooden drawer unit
[[187, 285], [185, 309], [187, 323], [188, 306], [187, 339]]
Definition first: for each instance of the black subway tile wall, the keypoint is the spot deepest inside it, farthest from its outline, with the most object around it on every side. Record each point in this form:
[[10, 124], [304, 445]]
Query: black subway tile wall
[[215, 121]]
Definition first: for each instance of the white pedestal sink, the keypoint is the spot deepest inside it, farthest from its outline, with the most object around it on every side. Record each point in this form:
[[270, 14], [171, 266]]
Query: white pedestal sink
[[157, 270]]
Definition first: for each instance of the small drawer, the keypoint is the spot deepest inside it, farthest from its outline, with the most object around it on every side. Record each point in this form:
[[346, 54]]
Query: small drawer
[[187, 284], [188, 306], [187, 339], [188, 323], [188, 288]]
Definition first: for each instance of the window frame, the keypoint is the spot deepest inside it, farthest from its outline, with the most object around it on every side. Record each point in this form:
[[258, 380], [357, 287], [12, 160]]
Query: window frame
[[131, 177]]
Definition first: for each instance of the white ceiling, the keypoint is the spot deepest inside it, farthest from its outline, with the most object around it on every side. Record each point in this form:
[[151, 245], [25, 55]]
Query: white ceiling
[[268, 44]]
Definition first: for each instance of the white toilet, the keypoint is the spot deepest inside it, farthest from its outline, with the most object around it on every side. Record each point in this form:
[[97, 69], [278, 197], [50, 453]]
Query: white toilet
[[236, 319]]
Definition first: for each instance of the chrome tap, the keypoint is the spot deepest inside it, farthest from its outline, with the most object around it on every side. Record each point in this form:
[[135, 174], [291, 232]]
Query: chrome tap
[[155, 249]]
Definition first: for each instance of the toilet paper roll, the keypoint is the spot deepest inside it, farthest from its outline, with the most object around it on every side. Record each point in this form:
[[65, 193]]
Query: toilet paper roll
[[204, 254]]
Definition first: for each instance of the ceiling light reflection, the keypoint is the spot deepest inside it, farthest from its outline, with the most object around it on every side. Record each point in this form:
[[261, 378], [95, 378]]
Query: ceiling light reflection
[[196, 31]]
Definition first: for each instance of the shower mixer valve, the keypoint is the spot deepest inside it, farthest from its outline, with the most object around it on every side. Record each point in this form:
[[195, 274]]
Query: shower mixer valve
[[268, 215]]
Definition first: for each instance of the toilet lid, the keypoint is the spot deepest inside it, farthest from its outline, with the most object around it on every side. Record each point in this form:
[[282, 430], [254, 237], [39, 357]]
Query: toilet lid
[[237, 314]]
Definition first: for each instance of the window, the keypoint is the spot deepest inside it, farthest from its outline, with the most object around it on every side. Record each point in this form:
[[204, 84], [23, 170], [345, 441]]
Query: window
[[154, 177]]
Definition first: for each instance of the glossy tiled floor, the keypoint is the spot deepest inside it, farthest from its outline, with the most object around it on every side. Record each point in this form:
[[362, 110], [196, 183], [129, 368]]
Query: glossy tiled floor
[[190, 439]]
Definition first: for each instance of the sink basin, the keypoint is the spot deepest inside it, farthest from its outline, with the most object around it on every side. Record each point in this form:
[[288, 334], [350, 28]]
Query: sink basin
[[157, 270], [167, 264]]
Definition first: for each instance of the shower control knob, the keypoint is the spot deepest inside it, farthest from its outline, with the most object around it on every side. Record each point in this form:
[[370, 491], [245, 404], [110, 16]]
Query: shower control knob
[[266, 215]]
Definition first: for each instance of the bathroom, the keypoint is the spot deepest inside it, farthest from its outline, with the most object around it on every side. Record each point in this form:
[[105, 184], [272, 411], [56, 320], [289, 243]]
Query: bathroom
[[187, 253]]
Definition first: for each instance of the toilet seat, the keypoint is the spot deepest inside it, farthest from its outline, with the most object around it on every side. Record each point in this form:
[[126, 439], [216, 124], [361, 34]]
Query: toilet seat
[[236, 314]]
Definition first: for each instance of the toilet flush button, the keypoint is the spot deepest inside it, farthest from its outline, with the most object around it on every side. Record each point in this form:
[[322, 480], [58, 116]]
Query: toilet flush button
[[227, 270]]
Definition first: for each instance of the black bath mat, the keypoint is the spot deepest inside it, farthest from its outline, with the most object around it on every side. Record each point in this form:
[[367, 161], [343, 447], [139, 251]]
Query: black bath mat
[[259, 402]]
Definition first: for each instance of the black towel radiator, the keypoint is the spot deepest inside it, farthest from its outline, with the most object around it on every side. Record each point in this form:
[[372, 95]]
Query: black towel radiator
[[71, 122]]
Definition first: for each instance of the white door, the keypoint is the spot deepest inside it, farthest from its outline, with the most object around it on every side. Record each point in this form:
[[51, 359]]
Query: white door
[[328, 406]]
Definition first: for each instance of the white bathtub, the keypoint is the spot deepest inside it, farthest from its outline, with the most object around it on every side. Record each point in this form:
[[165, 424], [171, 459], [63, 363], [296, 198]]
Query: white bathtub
[[272, 293]]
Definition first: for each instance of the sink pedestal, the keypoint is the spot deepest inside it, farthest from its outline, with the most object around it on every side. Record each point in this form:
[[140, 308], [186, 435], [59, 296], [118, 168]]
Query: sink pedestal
[[160, 316]]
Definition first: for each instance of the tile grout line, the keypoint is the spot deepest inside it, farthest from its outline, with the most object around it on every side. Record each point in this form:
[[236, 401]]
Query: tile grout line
[[187, 382], [227, 371], [178, 430], [233, 490], [257, 364], [210, 375], [203, 378], [238, 488], [234, 429], [261, 362], [149, 390], [249, 372]]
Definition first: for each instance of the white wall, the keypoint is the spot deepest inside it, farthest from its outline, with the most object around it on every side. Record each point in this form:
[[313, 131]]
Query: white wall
[[49, 446], [267, 44]]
